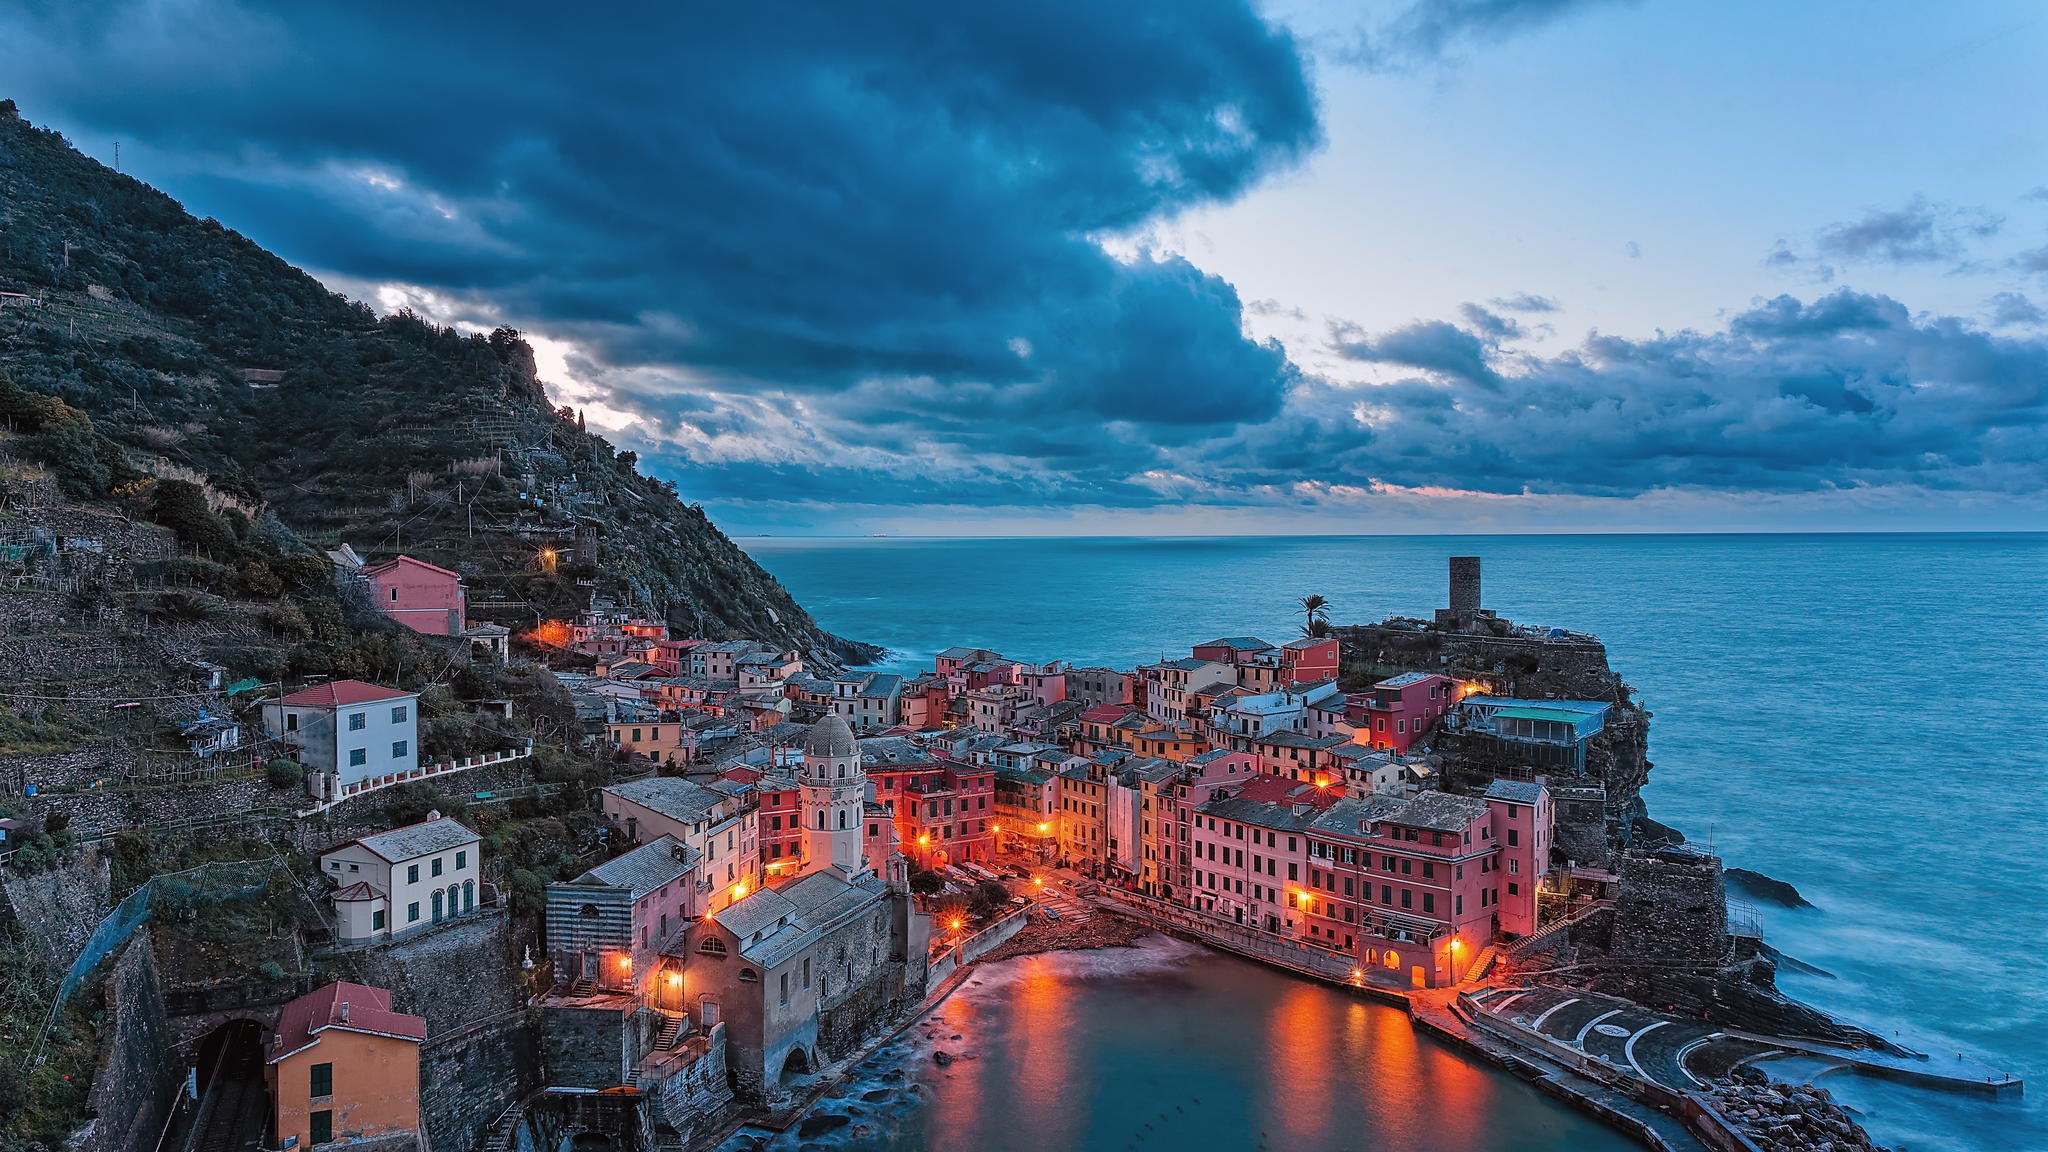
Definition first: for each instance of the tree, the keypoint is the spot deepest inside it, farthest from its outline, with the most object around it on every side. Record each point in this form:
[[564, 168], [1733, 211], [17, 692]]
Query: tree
[[925, 882], [284, 772], [1316, 612]]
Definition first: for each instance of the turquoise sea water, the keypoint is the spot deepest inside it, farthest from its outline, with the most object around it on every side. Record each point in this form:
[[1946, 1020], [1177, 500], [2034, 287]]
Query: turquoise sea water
[[1864, 716]]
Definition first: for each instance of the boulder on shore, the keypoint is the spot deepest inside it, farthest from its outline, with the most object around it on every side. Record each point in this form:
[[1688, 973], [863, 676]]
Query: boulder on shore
[[1762, 887]]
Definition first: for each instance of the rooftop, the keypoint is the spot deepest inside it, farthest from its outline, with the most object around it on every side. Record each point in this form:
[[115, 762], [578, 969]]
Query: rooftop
[[341, 694], [644, 869], [670, 796], [1515, 791], [350, 1007], [437, 834]]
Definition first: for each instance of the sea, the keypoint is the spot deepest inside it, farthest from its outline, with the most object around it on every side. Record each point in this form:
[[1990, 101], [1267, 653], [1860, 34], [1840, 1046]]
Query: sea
[[1862, 716]]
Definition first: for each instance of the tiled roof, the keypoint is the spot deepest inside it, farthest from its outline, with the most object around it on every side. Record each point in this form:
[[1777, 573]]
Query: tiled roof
[[670, 796], [763, 909], [416, 840], [341, 694], [360, 890], [388, 565], [350, 1007], [1515, 791], [1404, 680], [1243, 643], [645, 868], [1438, 812]]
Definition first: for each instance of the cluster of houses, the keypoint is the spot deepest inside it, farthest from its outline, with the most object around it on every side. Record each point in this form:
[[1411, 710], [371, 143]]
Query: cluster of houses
[[762, 922]]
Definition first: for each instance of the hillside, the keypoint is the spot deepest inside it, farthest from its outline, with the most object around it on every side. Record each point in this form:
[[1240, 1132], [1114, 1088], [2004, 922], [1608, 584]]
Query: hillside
[[308, 418]]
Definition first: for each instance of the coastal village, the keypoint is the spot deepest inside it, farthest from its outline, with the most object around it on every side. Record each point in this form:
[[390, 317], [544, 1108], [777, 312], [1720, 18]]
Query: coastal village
[[789, 864]]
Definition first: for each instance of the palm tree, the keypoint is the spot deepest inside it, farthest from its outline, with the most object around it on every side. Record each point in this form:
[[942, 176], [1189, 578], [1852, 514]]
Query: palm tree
[[1317, 611]]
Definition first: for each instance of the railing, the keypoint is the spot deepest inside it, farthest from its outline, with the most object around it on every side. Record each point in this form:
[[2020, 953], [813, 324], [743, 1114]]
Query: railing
[[427, 772]]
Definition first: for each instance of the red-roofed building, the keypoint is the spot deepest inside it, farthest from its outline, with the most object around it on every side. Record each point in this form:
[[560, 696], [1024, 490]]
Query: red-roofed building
[[348, 729], [343, 1066], [424, 597]]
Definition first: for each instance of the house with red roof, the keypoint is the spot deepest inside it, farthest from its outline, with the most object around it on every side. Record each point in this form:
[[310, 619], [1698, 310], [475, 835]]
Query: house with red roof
[[348, 729], [424, 597], [344, 1066]]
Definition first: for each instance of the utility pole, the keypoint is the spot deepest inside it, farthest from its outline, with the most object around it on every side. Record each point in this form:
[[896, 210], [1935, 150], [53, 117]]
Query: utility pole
[[117, 155]]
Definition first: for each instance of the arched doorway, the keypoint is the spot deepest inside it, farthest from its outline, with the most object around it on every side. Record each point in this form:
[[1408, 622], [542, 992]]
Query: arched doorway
[[797, 1064]]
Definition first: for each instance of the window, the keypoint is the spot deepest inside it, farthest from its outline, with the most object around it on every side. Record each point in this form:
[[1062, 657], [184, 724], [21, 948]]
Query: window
[[323, 1127], [461, 859], [357, 721], [412, 874], [412, 912], [1514, 866], [785, 988], [435, 868], [358, 757], [398, 749], [712, 947], [807, 971], [398, 714], [291, 722], [1514, 889], [1514, 837], [323, 1080], [377, 920], [394, 595]]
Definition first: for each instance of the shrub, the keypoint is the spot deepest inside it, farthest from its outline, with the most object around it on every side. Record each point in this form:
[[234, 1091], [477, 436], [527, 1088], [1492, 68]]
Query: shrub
[[180, 505], [283, 772]]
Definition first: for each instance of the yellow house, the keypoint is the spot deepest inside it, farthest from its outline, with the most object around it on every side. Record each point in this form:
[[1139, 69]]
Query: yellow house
[[343, 1066]]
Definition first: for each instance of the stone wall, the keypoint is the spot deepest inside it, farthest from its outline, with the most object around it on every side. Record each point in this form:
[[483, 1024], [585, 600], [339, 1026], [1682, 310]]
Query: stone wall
[[58, 910], [695, 1098], [1672, 907], [583, 1046], [136, 1084], [481, 1054]]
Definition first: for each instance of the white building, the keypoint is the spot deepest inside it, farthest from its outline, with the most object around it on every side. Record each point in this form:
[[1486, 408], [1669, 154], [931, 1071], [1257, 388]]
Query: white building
[[351, 730], [831, 790], [403, 880]]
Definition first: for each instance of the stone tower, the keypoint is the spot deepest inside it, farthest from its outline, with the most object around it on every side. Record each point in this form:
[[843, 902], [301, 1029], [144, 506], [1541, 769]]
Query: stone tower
[[1464, 587], [832, 787]]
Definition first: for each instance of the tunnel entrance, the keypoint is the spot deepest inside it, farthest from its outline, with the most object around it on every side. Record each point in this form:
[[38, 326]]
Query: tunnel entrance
[[233, 1110]]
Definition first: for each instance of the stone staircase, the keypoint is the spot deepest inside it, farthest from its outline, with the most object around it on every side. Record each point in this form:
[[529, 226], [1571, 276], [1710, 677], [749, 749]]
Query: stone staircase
[[671, 1033]]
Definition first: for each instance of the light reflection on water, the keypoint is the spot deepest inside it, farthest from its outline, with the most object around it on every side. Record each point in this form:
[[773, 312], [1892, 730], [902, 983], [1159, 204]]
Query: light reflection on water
[[1168, 1047]]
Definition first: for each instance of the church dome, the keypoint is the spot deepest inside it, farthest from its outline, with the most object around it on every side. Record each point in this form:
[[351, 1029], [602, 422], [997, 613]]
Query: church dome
[[830, 739]]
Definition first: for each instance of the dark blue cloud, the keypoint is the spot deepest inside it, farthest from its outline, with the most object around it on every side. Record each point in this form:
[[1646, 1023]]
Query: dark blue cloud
[[760, 197], [1919, 232], [1430, 345]]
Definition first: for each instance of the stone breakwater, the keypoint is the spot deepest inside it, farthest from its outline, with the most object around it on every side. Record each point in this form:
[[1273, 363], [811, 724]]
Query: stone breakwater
[[1788, 1118]]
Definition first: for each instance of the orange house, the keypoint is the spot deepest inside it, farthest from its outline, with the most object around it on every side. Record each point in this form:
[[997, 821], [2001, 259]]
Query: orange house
[[343, 1066]]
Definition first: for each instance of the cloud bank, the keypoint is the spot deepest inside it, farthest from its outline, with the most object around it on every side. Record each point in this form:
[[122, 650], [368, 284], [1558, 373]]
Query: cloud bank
[[810, 257]]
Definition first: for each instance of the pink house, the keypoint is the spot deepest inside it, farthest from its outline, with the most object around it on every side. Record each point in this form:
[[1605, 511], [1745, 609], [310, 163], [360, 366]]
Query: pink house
[[424, 597], [1416, 889], [1400, 711], [1249, 851], [1307, 660]]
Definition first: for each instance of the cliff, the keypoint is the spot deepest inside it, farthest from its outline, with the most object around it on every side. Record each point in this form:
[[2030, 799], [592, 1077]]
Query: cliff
[[1511, 663], [199, 356]]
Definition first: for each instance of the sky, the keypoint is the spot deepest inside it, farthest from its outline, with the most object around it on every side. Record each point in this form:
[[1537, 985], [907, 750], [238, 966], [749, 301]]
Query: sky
[[1168, 266]]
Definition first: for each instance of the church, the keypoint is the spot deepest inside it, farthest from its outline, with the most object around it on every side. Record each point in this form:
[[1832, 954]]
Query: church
[[800, 974], [679, 979]]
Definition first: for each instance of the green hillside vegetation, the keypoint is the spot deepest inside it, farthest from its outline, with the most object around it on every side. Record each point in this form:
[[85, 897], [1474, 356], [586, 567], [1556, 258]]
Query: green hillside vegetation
[[389, 433]]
